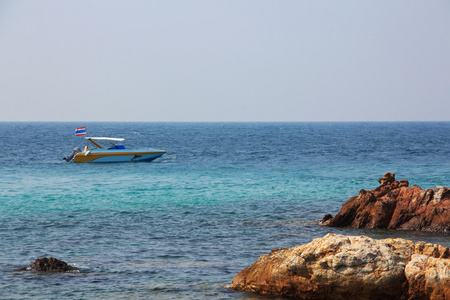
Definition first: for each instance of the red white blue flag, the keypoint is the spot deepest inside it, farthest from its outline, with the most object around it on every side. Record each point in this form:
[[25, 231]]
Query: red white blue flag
[[80, 131]]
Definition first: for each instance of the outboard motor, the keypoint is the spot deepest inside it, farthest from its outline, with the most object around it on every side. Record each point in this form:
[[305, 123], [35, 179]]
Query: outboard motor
[[71, 155]]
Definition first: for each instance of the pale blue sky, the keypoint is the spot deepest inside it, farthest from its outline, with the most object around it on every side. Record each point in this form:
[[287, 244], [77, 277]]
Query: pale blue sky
[[231, 60]]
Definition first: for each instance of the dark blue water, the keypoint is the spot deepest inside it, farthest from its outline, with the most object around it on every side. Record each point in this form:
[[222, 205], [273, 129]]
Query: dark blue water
[[182, 226]]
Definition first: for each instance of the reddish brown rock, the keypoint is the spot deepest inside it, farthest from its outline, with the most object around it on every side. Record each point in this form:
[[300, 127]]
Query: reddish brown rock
[[351, 267], [395, 205]]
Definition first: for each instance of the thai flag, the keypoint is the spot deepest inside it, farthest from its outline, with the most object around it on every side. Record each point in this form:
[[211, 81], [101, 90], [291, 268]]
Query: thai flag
[[80, 131]]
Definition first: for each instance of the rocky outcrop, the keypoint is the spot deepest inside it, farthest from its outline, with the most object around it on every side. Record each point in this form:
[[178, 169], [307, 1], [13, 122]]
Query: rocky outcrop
[[51, 264], [351, 267], [395, 205]]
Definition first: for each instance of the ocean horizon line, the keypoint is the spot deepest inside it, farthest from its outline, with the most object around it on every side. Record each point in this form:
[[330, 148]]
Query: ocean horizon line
[[230, 122]]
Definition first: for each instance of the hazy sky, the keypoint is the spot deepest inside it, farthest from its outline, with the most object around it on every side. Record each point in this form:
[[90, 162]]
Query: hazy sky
[[233, 60]]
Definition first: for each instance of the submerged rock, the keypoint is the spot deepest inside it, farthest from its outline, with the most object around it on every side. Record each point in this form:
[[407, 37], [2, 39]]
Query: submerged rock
[[395, 205], [351, 267], [51, 264]]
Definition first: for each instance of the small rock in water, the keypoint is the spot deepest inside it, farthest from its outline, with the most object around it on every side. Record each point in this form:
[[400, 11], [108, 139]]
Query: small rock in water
[[51, 264]]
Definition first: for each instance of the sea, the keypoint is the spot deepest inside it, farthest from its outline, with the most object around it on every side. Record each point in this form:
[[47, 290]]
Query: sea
[[182, 226]]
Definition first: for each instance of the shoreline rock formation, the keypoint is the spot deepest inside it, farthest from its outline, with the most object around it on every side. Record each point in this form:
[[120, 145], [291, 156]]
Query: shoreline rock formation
[[351, 267], [395, 205]]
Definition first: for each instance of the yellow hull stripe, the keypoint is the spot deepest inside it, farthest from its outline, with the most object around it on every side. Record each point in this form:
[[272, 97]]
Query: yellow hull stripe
[[81, 157]]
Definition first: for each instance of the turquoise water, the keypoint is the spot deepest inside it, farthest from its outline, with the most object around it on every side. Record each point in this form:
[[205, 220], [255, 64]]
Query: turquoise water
[[183, 225]]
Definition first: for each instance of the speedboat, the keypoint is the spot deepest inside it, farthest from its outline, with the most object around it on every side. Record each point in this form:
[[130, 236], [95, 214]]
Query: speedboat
[[109, 150]]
